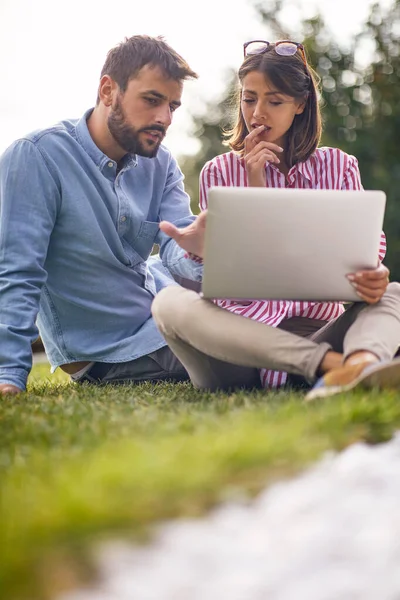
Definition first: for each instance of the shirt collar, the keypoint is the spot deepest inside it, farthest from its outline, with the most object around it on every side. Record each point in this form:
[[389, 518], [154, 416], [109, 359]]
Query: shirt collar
[[305, 169], [106, 165]]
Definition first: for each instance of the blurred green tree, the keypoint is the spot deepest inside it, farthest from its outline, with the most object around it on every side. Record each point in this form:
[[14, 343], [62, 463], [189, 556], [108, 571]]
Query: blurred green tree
[[360, 104], [208, 129]]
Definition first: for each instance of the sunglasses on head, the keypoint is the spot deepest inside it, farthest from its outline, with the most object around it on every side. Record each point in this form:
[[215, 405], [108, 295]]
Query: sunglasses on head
[[283, 48]]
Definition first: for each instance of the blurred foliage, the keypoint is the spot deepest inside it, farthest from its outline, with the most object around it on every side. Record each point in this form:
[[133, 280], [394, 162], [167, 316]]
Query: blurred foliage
[[360, 104], [209, 130]]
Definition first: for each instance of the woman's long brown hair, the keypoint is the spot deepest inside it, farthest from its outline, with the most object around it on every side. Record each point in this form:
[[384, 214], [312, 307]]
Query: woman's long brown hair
[[290, 76]]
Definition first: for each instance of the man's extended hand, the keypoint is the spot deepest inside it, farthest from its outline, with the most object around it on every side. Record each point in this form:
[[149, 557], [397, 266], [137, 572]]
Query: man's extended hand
[[190, 238], [7, 388], [370, 285]]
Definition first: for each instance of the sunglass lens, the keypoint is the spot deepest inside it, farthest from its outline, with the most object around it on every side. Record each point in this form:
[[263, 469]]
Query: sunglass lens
[[256, 48], [286, 48]]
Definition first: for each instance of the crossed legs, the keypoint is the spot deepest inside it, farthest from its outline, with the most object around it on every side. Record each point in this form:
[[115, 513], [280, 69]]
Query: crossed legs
[[222, 350]]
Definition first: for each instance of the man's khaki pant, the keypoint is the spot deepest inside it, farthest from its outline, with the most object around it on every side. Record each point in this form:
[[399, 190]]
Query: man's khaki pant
[[222, 350]]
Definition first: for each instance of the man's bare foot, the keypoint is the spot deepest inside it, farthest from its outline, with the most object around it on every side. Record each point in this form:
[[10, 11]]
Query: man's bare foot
[[7, 388]]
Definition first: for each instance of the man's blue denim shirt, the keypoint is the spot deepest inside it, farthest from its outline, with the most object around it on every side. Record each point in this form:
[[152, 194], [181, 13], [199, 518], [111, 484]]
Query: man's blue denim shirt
[[75, 239]]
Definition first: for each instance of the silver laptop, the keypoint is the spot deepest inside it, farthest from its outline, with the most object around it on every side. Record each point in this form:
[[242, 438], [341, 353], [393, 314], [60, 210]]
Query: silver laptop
[[289, 244]]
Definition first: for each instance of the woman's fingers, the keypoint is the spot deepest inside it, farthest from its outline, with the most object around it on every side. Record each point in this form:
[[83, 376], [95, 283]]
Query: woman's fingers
[[263, 157], [368, 295], [253, 139], [371, 284], [257, 153]]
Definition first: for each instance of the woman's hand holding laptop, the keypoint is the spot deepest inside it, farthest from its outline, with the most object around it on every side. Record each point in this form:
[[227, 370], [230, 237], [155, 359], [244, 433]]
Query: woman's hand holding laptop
[[370, 285]]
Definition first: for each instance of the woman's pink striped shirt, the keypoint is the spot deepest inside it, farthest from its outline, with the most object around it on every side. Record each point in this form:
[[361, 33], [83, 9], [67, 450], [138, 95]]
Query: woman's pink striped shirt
[[327, 168]]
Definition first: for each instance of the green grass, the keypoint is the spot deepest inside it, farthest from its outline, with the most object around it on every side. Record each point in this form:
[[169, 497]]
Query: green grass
[[81, 464]]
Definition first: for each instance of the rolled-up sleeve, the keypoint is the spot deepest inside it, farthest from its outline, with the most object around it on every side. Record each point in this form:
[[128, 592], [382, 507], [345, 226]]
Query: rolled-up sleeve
[[175, 207]]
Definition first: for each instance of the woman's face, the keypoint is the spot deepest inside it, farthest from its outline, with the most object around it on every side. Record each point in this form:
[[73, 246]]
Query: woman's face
[[262, 104]]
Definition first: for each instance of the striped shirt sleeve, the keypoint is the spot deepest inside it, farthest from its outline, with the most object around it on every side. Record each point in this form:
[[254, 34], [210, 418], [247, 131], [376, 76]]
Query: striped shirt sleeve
[[382, 247], [210, 176], [352, 178]]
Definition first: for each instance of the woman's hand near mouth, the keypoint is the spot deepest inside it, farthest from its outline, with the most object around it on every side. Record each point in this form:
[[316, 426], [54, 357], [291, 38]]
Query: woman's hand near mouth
[[256, 153]]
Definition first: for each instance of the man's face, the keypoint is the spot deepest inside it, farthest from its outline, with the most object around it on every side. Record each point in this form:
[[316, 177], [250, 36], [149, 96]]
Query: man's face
[[139, 117]]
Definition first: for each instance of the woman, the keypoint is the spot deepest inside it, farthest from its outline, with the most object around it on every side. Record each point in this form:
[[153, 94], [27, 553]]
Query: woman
[[274, 143]]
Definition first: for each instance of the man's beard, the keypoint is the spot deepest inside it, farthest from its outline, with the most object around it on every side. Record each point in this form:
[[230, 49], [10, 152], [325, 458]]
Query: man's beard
[[127, 137]]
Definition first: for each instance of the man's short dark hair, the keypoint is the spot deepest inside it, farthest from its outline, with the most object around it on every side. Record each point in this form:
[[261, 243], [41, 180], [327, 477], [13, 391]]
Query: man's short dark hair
[[125, 61]]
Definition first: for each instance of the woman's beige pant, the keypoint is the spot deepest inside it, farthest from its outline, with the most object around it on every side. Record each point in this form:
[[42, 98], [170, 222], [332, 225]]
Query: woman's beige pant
[[222, 350]]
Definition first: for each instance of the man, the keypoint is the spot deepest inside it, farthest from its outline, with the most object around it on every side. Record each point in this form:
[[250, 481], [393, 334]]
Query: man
[[80, 206]]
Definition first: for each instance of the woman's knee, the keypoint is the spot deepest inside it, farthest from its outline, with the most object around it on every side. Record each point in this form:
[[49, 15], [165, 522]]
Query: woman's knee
[[393, 289]]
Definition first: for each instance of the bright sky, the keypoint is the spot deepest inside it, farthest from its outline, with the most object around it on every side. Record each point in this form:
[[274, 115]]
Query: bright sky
[[52, 51]]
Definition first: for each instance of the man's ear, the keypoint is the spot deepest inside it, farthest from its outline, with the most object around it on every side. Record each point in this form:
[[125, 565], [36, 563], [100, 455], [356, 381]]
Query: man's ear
[[108, 89]]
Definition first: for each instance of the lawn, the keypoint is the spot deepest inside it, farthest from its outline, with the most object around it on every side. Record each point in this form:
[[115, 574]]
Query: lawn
[[80, 464]]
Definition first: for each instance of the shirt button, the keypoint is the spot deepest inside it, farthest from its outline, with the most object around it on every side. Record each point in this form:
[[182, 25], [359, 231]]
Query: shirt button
[[110, 164], [123, 219]]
